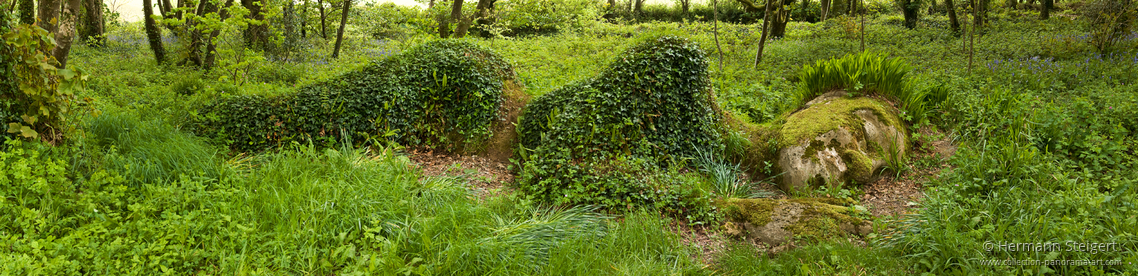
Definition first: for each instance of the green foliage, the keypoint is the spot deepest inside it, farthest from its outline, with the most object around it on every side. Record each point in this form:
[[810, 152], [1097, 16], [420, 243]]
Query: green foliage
[[821, 259], [1111, 23], [868, 73], [38, 96], [911, 9], [149, 151], [391, 21], [303, 211], [595, 141], [439, 94], [543, 16]]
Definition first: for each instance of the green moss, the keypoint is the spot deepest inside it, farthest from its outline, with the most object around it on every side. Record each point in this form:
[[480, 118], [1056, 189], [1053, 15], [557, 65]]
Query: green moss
[[754, 211], [821, 218], [824, 117], [859, 167]]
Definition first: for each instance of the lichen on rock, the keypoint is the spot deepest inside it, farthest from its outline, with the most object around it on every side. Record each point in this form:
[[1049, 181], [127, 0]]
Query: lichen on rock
[[777, 221]]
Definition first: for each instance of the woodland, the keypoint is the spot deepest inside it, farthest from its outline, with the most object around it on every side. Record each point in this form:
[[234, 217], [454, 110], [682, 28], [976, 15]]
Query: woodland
[[569, 137]]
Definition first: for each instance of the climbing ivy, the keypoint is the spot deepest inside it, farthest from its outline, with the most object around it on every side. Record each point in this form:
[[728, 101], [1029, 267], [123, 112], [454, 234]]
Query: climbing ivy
[[440, 94], [595, 141]]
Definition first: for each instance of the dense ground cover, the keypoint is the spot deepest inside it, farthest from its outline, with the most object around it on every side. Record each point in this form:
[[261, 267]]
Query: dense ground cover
[[1045, 124]]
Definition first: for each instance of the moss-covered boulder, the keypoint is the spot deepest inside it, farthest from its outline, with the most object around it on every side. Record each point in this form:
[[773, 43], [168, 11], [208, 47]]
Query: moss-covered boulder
[[593, 141], [778, 221], [445, 94], [839, 139]]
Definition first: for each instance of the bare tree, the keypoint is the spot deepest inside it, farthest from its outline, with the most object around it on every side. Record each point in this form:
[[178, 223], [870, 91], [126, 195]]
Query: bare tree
[[323, 18], [825, 9], [715, 31], [340, 32], [763, 37]]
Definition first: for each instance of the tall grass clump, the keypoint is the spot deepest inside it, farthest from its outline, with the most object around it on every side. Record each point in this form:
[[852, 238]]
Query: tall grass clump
[[150, 150], [869, 73]]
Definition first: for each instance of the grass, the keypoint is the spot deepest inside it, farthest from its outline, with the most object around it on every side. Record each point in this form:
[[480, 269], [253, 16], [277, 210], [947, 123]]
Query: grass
[[1047, 154]]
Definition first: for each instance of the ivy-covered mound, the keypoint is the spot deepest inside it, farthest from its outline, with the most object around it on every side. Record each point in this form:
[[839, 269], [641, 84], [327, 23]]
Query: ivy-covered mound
[[605, 140], [442, 94]]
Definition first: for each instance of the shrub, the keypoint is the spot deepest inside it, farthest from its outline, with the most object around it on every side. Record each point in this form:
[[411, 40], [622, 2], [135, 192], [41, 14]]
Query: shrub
[[438, 94], [597, 141], [538, 16], [1111, 22], [35, 94], [391, 21]]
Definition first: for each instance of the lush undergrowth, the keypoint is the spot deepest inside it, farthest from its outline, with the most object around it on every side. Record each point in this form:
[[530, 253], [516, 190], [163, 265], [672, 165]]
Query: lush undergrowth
[[300, 211], [1046, 128]]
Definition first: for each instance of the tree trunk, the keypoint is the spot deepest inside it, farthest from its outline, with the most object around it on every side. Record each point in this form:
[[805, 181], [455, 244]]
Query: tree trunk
[[804, 4], [256, 36], [65, 32], [978, 16], [825, 9], [340, 32], [910, 12], [781, 17], [455, 16], [638, 8], [48, 13], [94, 27], [304, 19], [715, 32], [464, 26], [763, 37], [27, 12], [611, 7], [952, 20], [684, 6], [211, 45], [1046, 12], [323, 17], [196, 40], [152, 32], [861, 12]]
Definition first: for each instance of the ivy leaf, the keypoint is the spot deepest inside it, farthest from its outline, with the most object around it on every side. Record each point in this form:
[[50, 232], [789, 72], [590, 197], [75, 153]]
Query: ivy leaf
[[14, 127]]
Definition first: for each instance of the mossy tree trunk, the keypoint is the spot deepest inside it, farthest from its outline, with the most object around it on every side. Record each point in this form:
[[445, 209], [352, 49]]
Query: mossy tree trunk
[[65, 32], [781, 17], [93, 22], [464, 26], [211, 44], [1046, 11], [256, 35], [152, 33], [952, 20], [27, 12]]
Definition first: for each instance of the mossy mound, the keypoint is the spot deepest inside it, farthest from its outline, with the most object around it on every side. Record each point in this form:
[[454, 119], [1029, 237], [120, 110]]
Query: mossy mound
[[591, 142], [778, 221], [443, 94], [838, 139]]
